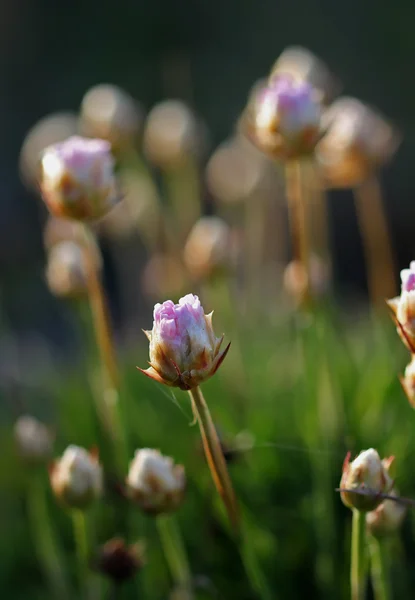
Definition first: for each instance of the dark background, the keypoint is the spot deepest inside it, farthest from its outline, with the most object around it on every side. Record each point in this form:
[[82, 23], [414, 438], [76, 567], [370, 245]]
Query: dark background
[[208, 53]]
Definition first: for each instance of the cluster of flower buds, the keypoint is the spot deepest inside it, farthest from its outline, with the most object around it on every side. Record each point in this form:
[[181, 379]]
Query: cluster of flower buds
[[155, 483], [118, 561], [184, 350], [76, 478], [283, 117], [77, 178], [364, 480], [33, 439], [357, 140]]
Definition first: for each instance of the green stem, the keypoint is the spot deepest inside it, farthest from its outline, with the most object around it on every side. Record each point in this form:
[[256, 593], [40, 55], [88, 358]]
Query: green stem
[[358, 556], [378, 569], [214, 455], [251, 565], [81, 547], [44, 540], [174, 552]]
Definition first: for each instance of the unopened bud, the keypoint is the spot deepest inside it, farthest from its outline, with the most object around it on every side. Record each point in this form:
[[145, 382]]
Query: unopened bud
[[208, 249], [76, 478], [34, 440], [155, 483], [408, 382], [364, 480], [77, 178], [357, 141], [110, 113], [118, 561], [172, 135], [387, 518], [67, 272]]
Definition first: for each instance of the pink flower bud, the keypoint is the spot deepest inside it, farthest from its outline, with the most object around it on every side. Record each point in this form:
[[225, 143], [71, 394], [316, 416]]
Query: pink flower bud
[[284, 118], [364, 480], [77, 178], [404, 307], [184, 350]]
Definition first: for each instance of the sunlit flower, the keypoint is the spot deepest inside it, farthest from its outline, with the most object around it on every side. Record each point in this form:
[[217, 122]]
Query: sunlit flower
[[34, 440], [155, 482], [283, 118], [364, 480], [77, 178], [76, 478], [184, 350]]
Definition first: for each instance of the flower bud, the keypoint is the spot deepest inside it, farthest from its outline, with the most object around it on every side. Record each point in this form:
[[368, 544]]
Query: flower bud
[[172, 135], [283, 118], [61, 230], [118, 561], [296, 282], [387, 518], [49, 130], [408, 382], [76, 478], [155, 482], [66, 271], [303, 65], [208, 248], [34, 441], [357, 140], [109, 113], [77, 178], [184, 350], [367, 474]]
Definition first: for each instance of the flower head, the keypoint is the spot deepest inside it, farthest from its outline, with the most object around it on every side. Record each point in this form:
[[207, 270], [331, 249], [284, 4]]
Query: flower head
[[387, 518], [77, 178], [155, 482], [34, 441], [76, 478], [403, 307], [283, 118], [356, 141], [66, 271], [118, 561], [184, 350], [364, 480]]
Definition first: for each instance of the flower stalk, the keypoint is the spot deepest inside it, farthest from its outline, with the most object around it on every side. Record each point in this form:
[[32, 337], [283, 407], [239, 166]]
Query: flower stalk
[[358, 555], [214, 455], [378, 569], [175, 553], [81, 547]]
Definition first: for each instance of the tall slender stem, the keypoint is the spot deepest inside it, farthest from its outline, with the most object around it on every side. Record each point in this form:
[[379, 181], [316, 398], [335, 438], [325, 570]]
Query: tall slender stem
[[44, 540], [214, 455], [358, 556], [81, 548], [104, 340], [378, 569], [376, 241], [298, 219], [174, 552]]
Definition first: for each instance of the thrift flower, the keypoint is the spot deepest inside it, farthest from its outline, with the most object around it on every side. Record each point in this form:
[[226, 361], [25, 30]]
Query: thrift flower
[[387, 518], [184, 350], [155, 482], [367, 474], [403, 307], [77, 178], [76, 478]]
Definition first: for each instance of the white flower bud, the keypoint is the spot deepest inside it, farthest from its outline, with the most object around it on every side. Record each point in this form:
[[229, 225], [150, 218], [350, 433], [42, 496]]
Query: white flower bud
[[76, 478], [367, 474], [34, 441], [387, 518], [155, 482]]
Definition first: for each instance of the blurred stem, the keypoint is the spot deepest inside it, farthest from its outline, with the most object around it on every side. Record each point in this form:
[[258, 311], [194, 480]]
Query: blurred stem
[[378, 569], [175, 552], [183, 191], [255, 233], [104, 340], [252, 566], [44, 540], [298, 219], [81, 547], [377, 245], [214, 455], [358, 549]]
